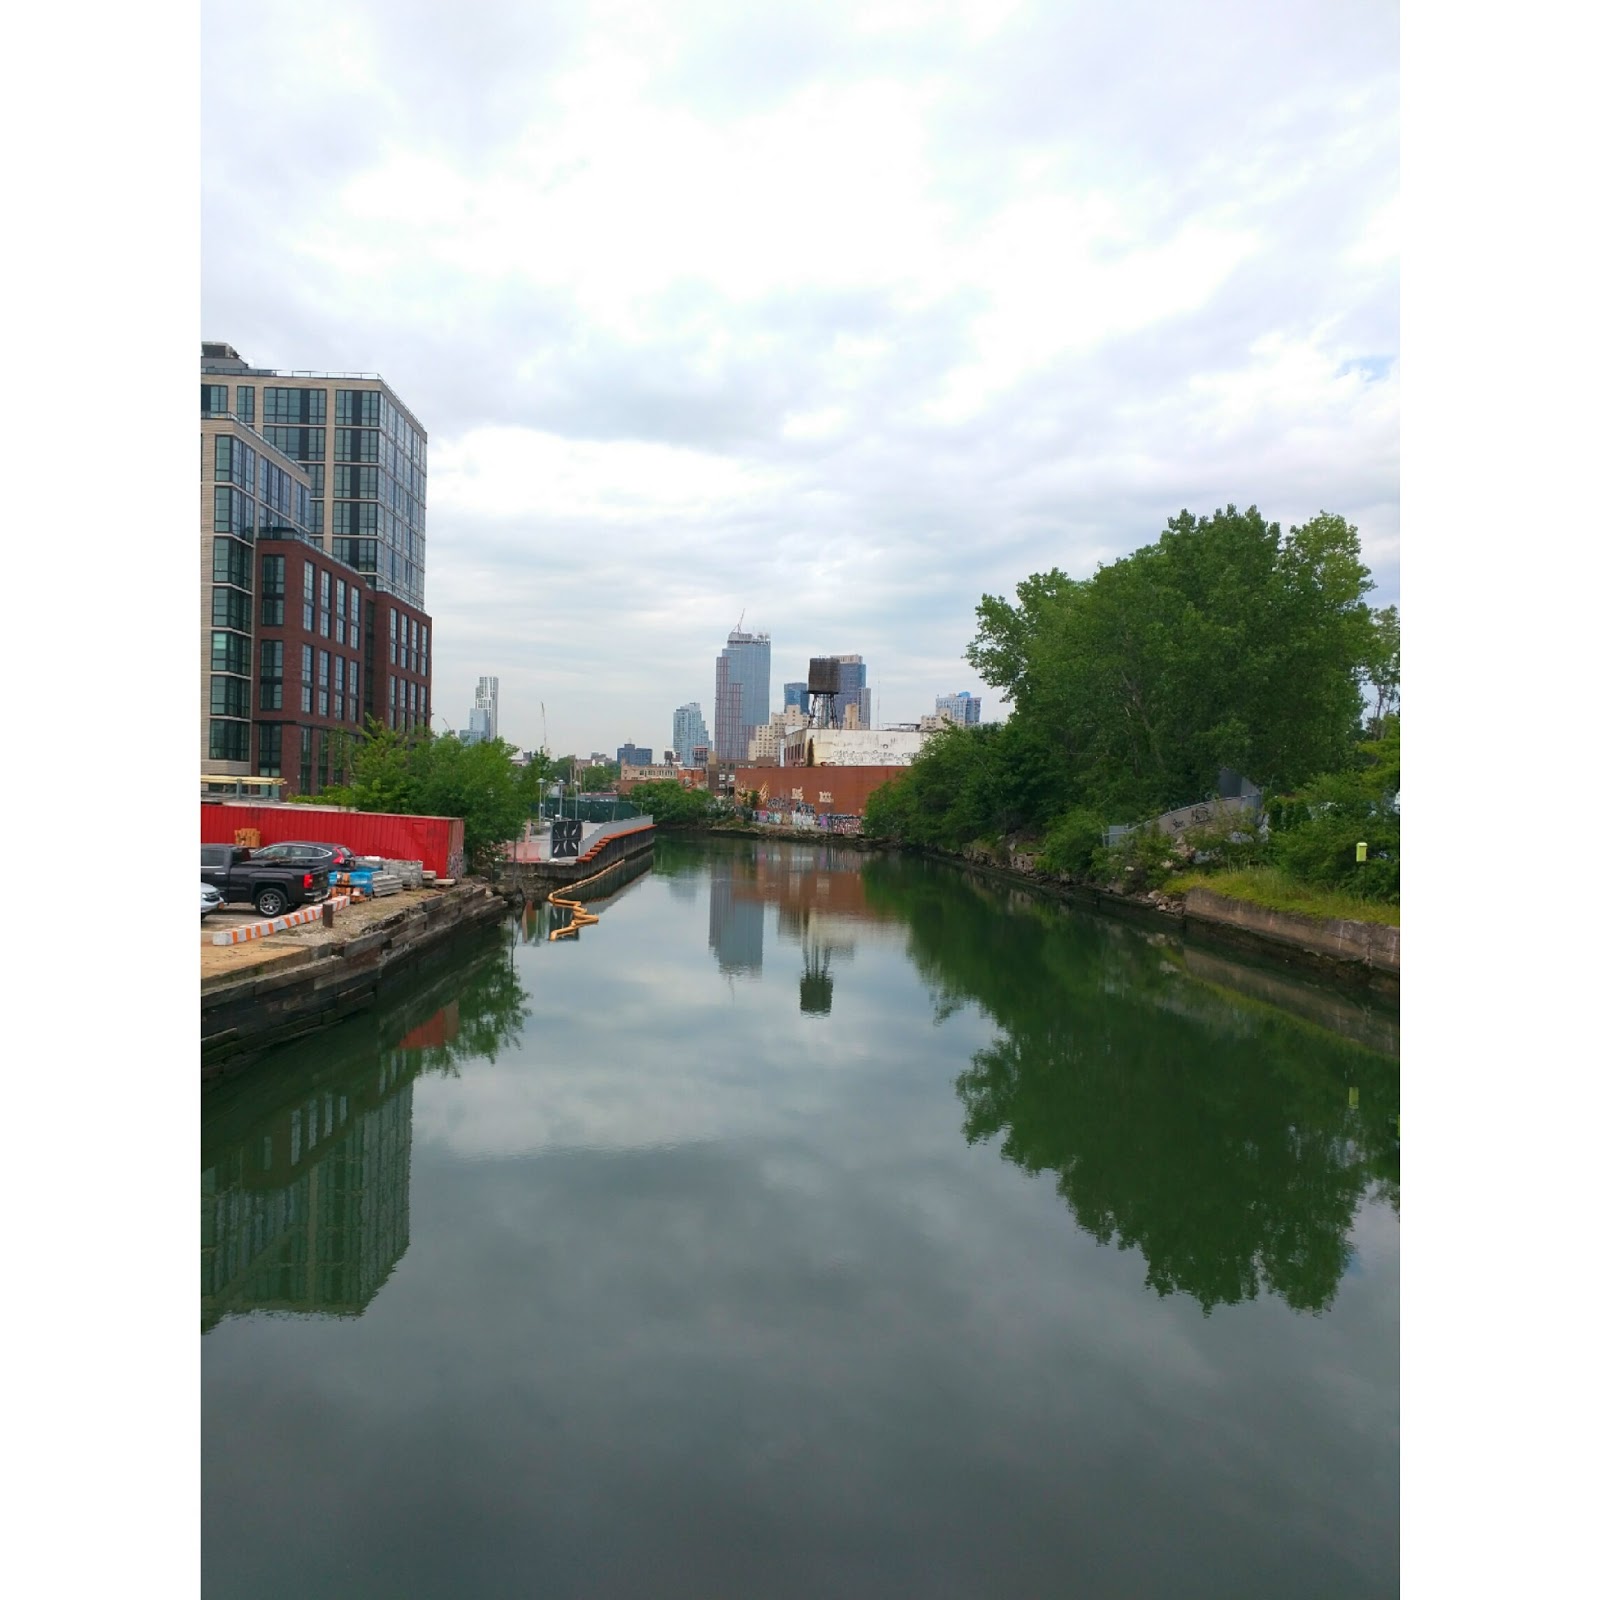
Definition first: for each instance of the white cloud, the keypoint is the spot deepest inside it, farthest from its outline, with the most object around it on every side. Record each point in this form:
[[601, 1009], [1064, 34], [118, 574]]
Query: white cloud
[[837, 317]]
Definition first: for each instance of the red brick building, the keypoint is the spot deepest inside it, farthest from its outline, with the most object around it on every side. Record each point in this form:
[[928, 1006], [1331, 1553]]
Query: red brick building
[[332, 650], [834, 791]]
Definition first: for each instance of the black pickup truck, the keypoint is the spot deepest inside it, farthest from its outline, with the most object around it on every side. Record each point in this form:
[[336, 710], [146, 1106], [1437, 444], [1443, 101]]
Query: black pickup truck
[[272, 887]]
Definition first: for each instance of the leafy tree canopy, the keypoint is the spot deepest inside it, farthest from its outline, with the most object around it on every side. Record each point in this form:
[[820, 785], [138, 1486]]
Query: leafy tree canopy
[[1226, 643], [419, 774]]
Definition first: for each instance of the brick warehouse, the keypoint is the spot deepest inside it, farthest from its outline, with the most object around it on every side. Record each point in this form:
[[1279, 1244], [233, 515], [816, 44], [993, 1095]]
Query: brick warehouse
[[837, 791]]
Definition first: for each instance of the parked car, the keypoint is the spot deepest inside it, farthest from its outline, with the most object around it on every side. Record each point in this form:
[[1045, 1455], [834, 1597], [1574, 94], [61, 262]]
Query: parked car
[[306, 853], [210, 899], [272, 887]]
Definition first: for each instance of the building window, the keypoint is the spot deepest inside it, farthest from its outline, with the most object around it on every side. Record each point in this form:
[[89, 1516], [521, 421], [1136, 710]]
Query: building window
[[230, 609], [392, 683], [355, 692], [271, 680], [394, 623], [230, 741], [305, 761], [230, 653], [362, 554], [230, 562], [213, 399], [295, 406], [358, 408], [355, 444], [245, 402], [272, 591], [305, 677], [422, 703], [222, 459], [352, 517], [355, 483], [299, 444], [338, 688], [355, 615], [230, 697], [269, 746]]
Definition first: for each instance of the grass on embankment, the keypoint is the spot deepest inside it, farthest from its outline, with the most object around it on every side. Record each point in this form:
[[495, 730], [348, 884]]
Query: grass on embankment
[[1268, 887]]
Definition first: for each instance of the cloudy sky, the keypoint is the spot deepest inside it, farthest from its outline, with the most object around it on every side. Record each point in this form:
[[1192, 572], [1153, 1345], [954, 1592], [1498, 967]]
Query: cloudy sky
[[832, 316]]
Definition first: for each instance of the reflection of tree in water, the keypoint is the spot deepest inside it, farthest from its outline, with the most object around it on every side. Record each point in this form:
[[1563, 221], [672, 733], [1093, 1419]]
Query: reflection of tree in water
[[1216, 1138], [305, 1179], [491, 1005]]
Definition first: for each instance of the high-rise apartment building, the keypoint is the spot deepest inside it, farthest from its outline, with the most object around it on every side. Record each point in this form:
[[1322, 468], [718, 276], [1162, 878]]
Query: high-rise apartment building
[[794, 694], [962, 709], [853, 691], [635, 755], [299, 647], [364, 454], [688, 730], [484, 720], [744, 692]]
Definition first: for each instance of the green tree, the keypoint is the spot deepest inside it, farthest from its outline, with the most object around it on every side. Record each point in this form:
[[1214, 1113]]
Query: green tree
[[418, 774], [671, 804], [1226, 643], [602, 776]]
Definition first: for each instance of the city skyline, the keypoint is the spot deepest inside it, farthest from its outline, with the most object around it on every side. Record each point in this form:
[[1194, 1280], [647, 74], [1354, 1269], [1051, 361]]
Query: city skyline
[[932, 305]]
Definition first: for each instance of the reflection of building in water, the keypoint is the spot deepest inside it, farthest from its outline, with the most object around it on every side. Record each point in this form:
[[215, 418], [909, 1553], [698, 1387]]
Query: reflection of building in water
[[311, 1211], [737, 922], [822, 906]]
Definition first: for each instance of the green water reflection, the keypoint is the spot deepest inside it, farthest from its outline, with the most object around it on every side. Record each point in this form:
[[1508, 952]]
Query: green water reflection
[[305, 1178], [1217, 1138], [814, 1223]]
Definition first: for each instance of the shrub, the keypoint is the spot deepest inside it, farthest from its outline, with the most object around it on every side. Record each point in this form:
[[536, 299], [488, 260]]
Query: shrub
[[1140, 860], [1317, 842], [1071, 843]]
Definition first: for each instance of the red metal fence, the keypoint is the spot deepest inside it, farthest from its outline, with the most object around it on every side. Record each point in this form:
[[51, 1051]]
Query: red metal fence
[[437, 842]]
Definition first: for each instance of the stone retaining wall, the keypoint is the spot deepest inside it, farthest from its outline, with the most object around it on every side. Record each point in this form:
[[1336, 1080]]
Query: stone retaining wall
[[242, 1016], [1371, 944]]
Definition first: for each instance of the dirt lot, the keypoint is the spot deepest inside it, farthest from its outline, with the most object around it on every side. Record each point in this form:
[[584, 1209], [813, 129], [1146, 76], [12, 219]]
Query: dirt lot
[[294, 944]]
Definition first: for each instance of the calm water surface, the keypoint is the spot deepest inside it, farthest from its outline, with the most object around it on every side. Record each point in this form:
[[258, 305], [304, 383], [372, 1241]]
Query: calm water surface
[[815, 1224]]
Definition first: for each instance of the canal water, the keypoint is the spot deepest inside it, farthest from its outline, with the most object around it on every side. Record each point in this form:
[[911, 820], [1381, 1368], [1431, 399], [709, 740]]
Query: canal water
[[815, 1224]]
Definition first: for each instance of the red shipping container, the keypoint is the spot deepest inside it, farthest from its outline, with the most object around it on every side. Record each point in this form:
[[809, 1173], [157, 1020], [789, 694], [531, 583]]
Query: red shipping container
[[437, 842]]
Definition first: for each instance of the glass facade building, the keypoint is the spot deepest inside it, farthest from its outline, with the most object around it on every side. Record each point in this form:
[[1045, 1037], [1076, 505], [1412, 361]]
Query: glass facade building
[[962, 709], [300, 647], [853, 691], [744, 692], [688, 731], [363, 453]]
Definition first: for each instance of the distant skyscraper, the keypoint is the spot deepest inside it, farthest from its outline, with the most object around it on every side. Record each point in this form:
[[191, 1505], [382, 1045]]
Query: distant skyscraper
[[688, 730], [962, 709], [485, 718], [794, 694], [635, 755], [744, 692], [853, 690]]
